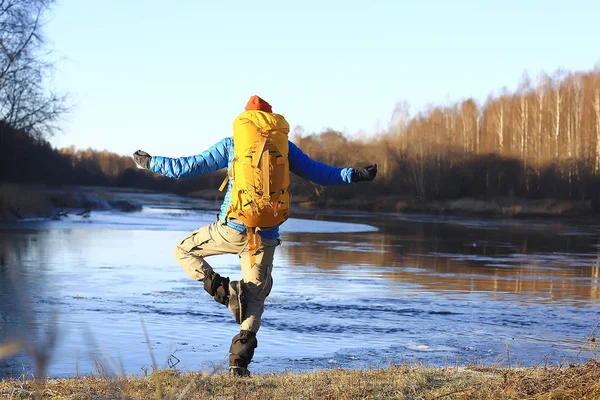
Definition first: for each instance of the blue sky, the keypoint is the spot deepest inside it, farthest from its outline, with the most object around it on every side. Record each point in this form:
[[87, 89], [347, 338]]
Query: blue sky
[[170, 77]]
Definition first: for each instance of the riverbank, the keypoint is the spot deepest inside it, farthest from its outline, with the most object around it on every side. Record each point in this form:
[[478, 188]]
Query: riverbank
[[41, 201], [499, 207], [394, 382], [19, 202]]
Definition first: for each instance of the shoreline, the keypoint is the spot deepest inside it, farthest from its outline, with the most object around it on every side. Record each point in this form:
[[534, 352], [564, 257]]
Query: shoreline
[[38, 201], [578, 381], [500, 207], [497, 207], [19, 202]]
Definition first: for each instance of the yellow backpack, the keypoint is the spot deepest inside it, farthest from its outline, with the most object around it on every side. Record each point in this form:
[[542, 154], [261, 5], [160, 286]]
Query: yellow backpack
[[259, 171]]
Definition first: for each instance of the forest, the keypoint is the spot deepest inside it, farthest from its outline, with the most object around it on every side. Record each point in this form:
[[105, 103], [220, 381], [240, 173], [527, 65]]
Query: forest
[[541, 141]]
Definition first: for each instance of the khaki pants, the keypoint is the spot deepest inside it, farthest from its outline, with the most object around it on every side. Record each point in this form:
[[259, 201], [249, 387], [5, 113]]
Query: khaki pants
[[218, 238]]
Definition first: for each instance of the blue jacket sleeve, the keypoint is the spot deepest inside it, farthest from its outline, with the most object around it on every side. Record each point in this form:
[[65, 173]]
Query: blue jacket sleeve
[[213, 159], [317, 172]]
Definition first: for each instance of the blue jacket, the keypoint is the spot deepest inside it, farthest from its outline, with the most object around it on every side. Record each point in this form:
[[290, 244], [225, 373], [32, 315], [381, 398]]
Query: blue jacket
[[221, 155]]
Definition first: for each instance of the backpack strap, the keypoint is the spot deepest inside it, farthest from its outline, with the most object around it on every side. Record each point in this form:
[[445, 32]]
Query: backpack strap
[[260, 148], [266, 177], [229, 172], [253, 243], [222, 187]]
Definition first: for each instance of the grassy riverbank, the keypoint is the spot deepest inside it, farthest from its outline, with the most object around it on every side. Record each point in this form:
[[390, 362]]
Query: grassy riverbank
[[41, 201], [395, 382], [497, 207], [18, 201]]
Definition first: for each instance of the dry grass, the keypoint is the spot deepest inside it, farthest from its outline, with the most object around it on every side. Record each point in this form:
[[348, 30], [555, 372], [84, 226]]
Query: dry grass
[[501, 206], [395, 382], [22, 201], [18, 201]]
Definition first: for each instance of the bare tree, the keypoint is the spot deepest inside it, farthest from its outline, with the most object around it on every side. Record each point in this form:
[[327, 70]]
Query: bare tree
[[523, 91], [540, 97], [25, 69], [558, 104], [469, 113], [577, 104], [497, 122], [596, 103]]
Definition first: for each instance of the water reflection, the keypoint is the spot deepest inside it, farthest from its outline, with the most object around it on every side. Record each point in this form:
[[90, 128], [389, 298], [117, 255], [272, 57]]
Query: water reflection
[[18, 319], [537, 262]]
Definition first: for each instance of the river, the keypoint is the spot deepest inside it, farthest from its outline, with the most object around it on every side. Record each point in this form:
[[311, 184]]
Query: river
[[351, 290]]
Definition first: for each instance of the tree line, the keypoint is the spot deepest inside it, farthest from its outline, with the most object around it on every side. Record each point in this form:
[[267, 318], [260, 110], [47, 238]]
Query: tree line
[[25, 158], [541, 141]]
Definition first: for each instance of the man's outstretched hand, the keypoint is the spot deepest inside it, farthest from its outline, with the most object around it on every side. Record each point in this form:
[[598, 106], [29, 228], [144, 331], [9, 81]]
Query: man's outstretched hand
[[367, 173], [142, 159]]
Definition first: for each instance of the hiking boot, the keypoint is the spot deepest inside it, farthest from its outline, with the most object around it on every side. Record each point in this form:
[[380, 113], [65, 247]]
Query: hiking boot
[[217, 286], [235, 299], [242, 349], [239, 371]]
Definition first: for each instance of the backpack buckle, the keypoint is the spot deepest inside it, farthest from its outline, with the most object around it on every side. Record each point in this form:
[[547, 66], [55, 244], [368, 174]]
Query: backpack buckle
[[265, 134]]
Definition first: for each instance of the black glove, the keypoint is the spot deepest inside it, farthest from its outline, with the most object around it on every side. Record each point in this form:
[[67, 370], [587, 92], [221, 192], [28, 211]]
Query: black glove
[[142, 159], [367, 173]]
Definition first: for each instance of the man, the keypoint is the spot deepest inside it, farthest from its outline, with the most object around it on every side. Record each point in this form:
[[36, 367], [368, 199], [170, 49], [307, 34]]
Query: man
[[229, 235]]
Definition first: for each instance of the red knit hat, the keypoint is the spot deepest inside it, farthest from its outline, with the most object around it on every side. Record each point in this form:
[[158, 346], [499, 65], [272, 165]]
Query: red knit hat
[[256, 103]]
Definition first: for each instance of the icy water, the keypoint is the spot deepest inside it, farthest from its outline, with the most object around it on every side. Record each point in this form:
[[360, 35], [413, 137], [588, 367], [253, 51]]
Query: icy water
[[350, 290]]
